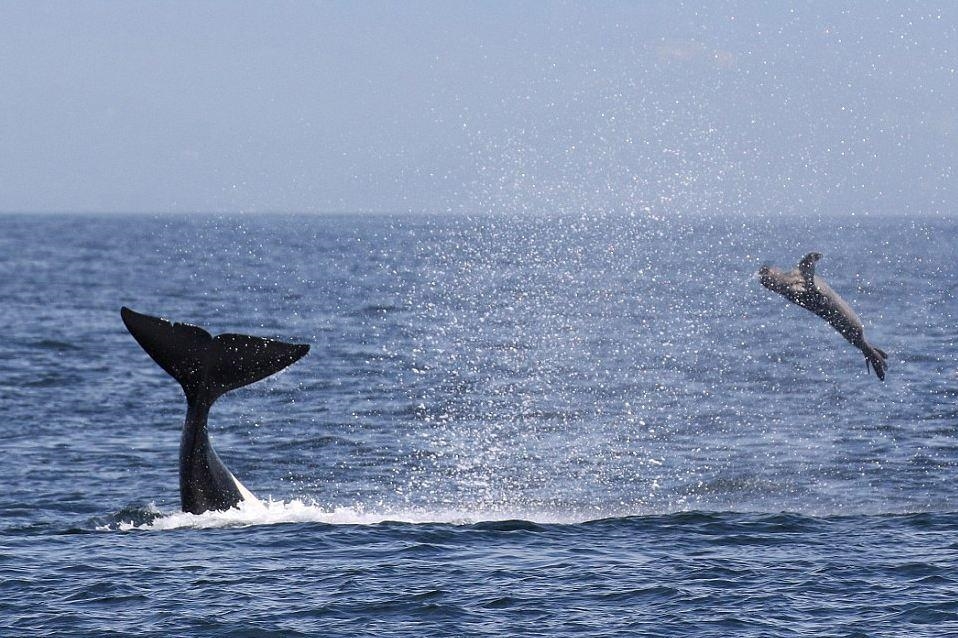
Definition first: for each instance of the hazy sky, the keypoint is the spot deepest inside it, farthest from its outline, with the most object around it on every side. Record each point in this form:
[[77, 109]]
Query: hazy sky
[[469, 107]]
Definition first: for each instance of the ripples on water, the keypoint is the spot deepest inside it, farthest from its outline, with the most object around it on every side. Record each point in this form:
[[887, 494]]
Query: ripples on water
[[557, 426]]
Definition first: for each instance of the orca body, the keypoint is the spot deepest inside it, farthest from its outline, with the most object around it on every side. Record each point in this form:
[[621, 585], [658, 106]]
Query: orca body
[[803, 287], [207, 367]]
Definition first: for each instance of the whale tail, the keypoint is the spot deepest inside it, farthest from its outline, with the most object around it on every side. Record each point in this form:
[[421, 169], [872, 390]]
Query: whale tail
[[205, 366], [876, 357]]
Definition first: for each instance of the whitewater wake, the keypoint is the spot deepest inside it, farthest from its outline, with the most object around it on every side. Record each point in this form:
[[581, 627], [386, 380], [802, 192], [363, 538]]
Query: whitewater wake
[[270, 512]]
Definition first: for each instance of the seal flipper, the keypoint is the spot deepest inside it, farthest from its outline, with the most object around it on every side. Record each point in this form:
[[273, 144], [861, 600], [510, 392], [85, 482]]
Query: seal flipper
[[807, 267], [876, 357]]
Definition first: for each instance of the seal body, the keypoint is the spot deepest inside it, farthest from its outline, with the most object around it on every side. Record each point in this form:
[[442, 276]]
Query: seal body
[[803, 287]]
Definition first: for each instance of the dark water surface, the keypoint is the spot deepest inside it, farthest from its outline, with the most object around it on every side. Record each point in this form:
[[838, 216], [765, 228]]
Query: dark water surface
[[565, 426]]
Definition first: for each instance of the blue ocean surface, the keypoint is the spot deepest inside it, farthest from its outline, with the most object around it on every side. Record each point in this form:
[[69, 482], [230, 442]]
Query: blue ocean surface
[[595, 425]]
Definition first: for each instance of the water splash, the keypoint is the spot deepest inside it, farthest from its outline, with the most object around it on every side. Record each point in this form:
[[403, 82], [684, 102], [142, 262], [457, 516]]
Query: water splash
[[271, 512]]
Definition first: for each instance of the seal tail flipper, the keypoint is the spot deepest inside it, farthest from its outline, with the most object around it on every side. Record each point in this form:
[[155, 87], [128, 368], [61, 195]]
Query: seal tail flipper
[[207, 366], [876, 357]]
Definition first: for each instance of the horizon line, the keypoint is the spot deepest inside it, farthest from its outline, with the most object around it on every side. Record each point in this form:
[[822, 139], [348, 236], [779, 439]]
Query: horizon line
[[639, 211]]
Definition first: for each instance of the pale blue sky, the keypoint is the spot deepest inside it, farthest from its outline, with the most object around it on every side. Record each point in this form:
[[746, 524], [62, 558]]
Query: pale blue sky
[[467, 107]]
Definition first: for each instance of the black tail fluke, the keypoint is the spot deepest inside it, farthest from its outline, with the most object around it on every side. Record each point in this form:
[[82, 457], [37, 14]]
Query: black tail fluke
[[208, 366], [876, 357], [238, 360]]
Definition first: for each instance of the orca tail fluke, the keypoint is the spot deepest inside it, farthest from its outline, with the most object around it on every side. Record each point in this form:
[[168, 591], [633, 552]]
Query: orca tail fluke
[[876, 357], [208, 366]]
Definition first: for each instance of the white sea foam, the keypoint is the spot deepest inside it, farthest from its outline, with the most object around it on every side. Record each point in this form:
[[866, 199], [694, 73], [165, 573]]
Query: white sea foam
[[270, 512]]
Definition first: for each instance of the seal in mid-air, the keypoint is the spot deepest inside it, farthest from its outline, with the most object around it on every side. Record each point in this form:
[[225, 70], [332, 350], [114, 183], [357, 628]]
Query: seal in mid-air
[[207, 367], [802, 286]]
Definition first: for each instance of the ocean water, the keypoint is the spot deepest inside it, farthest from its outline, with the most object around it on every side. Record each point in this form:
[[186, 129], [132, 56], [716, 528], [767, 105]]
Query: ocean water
[[558, 426]]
